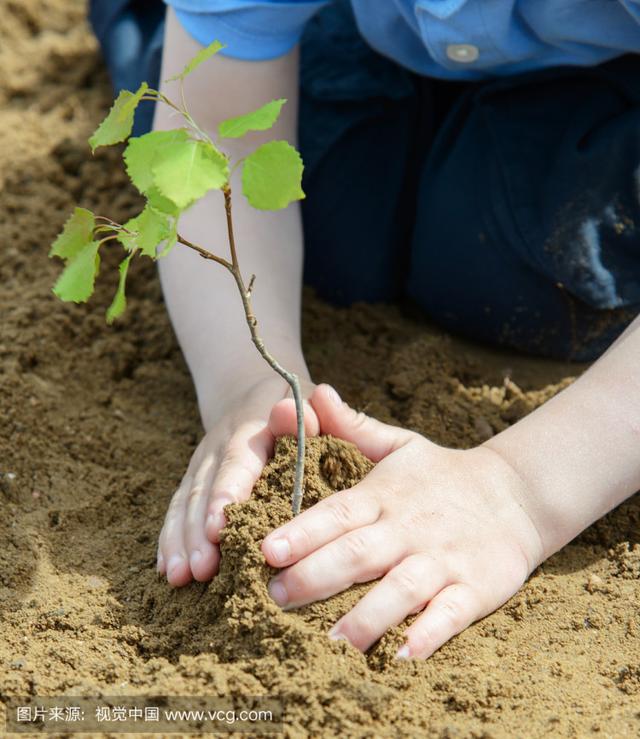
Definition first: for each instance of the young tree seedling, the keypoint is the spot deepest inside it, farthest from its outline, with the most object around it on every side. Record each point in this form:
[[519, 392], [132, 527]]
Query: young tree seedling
[[173, 170]]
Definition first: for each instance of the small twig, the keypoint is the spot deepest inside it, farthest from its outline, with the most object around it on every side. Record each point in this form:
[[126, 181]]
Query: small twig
[[245, 293], [104, 229], [184, 102], [184, 112], [108, 220], [232, 239], [292, 379], [107, 238], [250, 287], [112, 226], [204, 253]]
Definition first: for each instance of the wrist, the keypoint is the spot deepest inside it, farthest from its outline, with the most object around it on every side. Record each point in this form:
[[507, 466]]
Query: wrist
[[244, 389], [510, 484], [552, 515], [577, 453], [514, 500]]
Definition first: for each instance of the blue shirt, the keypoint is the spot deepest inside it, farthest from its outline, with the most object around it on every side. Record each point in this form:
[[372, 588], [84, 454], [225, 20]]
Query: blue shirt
[[455, 39]]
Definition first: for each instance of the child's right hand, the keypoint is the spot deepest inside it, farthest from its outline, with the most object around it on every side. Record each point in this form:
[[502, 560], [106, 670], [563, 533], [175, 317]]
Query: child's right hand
[[205, 309], [222, 470]]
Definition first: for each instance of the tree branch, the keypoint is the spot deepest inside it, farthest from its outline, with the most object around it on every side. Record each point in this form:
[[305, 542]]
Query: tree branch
[[204, 253]]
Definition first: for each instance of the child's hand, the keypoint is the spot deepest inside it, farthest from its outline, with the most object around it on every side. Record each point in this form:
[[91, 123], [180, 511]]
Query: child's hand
[[440, 527], [222, 470]]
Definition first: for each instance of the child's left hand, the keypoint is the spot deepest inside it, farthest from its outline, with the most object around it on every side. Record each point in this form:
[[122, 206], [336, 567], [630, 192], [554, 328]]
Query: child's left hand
[[446, 529]]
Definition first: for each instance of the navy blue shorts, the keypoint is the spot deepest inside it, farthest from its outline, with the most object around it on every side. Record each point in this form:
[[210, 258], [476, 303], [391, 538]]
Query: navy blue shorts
[[508, 210]]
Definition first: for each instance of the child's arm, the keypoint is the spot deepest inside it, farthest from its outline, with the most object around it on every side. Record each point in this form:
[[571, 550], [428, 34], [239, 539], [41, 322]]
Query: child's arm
[[579, 453], [235, 387], [269, 244], [460, 530]]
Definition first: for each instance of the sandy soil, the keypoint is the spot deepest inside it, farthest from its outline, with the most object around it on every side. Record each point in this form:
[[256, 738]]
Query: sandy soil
[[97, 425]]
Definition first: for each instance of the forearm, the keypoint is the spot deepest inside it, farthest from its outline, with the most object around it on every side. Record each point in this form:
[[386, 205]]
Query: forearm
[[202, 297], [578, 453]]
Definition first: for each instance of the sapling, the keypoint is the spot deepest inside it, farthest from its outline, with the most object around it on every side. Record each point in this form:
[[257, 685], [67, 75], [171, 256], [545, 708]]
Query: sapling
[[174, 169]]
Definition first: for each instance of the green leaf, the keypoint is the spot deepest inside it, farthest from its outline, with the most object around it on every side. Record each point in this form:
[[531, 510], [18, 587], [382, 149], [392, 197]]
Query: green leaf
[[172, 240], [141, 152], [159, 202], [119, 302], [77, 279], [119, 121], [77, 233], [272, 176], [258, 120], [185, 170], [148, 230], [197, 60]]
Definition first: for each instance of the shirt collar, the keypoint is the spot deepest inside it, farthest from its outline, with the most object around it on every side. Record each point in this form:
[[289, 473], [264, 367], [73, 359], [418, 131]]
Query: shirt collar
[[441, 8]]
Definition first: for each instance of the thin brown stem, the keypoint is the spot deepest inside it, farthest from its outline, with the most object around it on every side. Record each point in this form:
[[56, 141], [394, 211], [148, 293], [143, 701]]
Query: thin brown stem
[[292, 379], [184, 102], [156, 96], [231, 235], [252, 279], [103, 229], [204, 253], [107, 238], [109, 220], [245, 293], [163, 98]]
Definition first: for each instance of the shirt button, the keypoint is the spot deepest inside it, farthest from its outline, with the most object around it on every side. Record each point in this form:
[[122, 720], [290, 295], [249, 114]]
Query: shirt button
[[463, 53]]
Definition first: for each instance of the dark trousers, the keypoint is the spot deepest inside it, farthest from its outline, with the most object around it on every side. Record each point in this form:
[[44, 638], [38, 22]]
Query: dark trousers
[[508, 209]]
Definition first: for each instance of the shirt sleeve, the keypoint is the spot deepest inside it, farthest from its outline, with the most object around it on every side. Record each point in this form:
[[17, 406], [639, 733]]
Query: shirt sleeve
[[254, 30], [633, 8]]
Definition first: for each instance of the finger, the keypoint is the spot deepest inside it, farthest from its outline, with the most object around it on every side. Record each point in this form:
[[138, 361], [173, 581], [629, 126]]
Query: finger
[[403, 590], [448, 613], [172, 546], [283, 419], [358, 556], [246, 454], [204, 557], [327, 520], [374, 439]]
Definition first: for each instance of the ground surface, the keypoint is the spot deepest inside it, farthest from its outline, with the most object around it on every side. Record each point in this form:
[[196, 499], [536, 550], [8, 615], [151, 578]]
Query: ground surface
[[96, 427]]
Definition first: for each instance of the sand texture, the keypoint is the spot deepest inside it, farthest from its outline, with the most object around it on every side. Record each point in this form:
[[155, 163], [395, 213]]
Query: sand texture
[[96, 428]]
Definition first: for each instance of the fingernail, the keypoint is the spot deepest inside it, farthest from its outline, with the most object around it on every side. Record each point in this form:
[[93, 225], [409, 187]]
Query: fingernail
[[160, 562], [403, 652], [278, 592], [280, 550], [175, 561], [195, 557], [335, 635], [334, 397]]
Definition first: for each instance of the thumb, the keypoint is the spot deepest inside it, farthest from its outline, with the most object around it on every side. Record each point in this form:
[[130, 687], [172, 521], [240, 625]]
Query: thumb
[[283, 419], [374, 438]]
